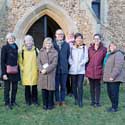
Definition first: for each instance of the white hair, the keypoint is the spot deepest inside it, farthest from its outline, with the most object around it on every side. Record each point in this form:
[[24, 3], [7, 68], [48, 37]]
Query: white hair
[[10, 35], [28, 37]]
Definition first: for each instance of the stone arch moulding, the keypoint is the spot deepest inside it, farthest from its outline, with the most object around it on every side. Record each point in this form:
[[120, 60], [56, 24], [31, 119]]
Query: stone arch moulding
[[44, 8]]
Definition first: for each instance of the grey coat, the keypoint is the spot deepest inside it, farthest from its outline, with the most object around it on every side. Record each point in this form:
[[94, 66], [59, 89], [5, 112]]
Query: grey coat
[[47, 81], [114, 68]]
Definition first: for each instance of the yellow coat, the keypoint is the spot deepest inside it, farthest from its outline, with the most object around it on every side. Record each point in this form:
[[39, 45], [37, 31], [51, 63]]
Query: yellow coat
[[28, 66]]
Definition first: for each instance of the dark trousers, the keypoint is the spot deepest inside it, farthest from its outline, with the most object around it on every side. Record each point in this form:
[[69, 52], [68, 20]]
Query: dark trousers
[[113, 93], [95, 89], [60, 91], [77, 81], [48, 100], [8, 85], [69, 85], [31, 94]]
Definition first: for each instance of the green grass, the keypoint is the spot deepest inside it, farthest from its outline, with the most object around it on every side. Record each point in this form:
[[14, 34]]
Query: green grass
[[69, 115]]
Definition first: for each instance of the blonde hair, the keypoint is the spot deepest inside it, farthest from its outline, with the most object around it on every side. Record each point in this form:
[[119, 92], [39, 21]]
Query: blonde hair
[[47, 39]]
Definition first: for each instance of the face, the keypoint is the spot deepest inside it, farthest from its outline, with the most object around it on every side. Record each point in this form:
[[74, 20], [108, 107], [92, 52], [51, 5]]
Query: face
[[10, 40], [97, 40], [59, 35], [28, 42], [48, 44], [112, 47], [70, 35], [78, 41]]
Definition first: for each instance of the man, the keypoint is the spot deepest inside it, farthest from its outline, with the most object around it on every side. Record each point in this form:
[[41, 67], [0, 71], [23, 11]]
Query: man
[[63, 50]]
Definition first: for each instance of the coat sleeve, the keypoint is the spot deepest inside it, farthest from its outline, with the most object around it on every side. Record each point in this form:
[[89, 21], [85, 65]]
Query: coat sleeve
[[20, 60], [53, 65], [118, 65], [85, 58], [40, 65], [68, 52], [3, 60]]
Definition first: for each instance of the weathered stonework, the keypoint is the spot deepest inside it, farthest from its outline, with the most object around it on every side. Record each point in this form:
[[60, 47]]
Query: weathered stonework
[[115, 28], [79, 12]]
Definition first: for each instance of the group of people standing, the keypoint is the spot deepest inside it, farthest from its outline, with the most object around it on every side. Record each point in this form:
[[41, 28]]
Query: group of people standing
[[59, 67]]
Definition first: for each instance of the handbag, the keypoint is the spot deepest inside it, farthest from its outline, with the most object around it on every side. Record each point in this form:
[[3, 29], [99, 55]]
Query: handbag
[[12, 69]]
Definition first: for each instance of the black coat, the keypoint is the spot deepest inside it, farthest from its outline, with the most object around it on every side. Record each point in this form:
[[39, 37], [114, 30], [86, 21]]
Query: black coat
[[63, 56], [9, 56]]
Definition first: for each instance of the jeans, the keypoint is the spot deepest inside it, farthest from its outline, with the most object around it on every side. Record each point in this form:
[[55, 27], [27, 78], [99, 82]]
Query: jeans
[[95, 90], [7, 87], [113, 93], [77, 81], [60, 86]]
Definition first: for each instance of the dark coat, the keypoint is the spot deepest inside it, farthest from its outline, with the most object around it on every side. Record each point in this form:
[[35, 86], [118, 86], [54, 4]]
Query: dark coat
[[47, 81], [114, 67], [95, 65], [63, 56], [9, 56]]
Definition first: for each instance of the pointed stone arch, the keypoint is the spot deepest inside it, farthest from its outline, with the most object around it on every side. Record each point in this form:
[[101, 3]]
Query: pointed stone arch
[[49, 8]]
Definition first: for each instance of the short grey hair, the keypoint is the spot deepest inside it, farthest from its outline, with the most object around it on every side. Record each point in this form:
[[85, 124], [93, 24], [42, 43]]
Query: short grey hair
[[28, 37], [60, 30], [10, 35]]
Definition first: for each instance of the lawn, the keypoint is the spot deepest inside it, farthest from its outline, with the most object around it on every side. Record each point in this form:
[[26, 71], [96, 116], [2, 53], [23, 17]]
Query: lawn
[[68, 115]]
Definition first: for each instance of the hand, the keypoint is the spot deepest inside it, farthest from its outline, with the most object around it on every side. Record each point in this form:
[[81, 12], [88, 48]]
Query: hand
[[43, 71], [5, 77], [111, 79]]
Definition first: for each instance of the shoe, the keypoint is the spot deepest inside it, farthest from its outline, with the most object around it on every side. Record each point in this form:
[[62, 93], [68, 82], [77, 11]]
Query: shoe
[[28, 104], [8, 107], [45, 107], [62, 104], [76, 102], [93, 104], [97, 105], [50, 107], [57, 103], [36, 104], [80, 104], [112, 110], [14, 104]]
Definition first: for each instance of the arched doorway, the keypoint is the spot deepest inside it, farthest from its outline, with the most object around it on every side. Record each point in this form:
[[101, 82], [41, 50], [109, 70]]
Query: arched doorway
[[44, 27], [33, 15]]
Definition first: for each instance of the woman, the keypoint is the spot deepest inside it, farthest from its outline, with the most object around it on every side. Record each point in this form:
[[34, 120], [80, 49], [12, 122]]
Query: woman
[[94, 70], [29, 69], [47, 60], [77, 60], [114, 75], [10, 70]]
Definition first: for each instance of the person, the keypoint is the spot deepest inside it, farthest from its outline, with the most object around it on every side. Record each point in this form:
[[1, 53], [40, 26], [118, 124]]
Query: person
[[70, 40], [77, 60], [47, 60], [29, 70], [94, 70], [114, 75], [63, 50], [10, 70]]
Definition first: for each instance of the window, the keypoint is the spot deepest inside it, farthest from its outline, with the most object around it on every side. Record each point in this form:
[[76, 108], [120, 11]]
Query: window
[[96, 7]]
